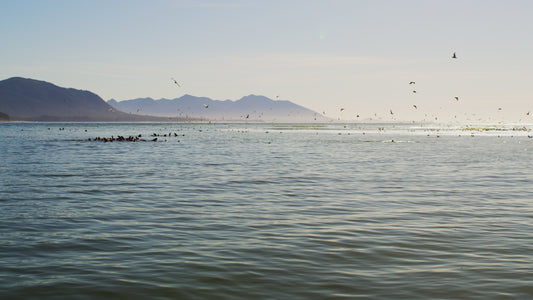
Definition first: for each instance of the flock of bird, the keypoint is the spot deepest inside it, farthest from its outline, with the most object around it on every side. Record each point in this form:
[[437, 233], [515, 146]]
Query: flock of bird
[[411, 83], [414, 91], [454, 56]]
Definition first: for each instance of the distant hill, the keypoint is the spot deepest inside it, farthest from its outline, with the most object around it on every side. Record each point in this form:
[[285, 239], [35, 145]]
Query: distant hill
[[248, 108], [25, 99]]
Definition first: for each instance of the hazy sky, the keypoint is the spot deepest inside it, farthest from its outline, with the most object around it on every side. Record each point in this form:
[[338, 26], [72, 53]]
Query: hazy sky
[[359, 55]]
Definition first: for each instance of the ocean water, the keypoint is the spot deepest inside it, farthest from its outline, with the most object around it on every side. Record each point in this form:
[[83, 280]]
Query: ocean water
[[266, 211]]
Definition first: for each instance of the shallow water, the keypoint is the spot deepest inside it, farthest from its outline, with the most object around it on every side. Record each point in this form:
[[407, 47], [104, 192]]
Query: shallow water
[[255, 211]]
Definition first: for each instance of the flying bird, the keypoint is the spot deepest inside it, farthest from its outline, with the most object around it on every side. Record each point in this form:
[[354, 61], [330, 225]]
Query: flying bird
[[415, 106], [342, 109], [391, 112], [176, 82], [206, 105], [414, 91], [457, 99], [454, 56], [411, 82]]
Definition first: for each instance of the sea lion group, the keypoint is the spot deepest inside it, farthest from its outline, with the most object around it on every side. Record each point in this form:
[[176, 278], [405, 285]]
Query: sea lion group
[[137, 138], [122, 139]]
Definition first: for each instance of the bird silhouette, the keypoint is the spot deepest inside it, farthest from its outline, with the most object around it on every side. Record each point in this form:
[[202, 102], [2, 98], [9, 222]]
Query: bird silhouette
[[206, 105], [415, 106], [454, 56], [176, 82], [411, 82], [457, 99]]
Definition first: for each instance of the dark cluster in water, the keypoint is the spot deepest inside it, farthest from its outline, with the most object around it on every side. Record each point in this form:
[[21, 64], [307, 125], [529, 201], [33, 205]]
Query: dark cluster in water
[[137, 138], [169, 134], [121, 139]]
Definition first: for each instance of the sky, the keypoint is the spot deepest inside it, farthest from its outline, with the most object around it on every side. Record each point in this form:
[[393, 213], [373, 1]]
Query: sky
[[341, 58]]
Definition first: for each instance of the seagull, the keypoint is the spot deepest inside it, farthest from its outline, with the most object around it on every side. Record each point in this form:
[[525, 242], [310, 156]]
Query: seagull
[[342, 109], [454, 56], [415, 106], [176, 82], [457, 98], [206, 105], [411, 82]]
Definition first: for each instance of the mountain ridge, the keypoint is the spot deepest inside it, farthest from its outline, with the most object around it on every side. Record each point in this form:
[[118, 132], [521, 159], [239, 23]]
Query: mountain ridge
[[26, 99], [252, 107]]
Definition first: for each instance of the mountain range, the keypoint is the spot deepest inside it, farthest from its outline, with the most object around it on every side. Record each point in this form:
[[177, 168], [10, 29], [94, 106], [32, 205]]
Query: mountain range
[[24, 99], [248, 108]]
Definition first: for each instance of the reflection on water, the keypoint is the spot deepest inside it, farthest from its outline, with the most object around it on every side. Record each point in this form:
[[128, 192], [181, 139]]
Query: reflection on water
[[396, 211]]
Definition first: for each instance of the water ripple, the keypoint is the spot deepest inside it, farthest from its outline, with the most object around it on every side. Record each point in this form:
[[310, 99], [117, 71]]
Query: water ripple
[[233, 212]]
